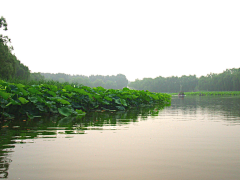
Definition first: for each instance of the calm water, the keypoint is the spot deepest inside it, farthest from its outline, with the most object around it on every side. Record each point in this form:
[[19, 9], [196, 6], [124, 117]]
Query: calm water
[[194, 138]]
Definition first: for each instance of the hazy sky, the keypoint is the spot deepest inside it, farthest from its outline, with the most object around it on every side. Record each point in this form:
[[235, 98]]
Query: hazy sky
[[132, 37]]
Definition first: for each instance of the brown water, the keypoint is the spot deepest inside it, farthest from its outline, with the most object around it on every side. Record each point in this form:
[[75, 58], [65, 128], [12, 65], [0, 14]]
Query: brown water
[[195, 138]]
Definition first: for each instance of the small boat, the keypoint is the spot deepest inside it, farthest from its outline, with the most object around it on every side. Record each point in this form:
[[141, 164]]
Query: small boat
[[181, 94]]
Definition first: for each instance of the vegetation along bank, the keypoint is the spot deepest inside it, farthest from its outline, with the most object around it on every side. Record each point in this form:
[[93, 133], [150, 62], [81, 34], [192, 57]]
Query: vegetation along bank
[[37, 100]]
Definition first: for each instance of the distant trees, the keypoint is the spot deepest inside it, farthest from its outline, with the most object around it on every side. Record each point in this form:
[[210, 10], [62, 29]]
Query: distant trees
[[36, 77], [109, 82], [10, 66], [169, 84], [229, 80]]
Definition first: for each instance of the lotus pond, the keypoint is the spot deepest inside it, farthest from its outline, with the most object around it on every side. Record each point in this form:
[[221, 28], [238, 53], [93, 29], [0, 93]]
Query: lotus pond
[[18, 100]]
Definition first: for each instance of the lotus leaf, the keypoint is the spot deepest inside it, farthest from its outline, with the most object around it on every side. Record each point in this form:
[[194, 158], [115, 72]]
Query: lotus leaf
[[23, 100], [65, 111], [108, 98], [69, 88], [33, 90], [52, 93], [117, 101], [123, 102], [33, 99], [80, 112], [5, 95]]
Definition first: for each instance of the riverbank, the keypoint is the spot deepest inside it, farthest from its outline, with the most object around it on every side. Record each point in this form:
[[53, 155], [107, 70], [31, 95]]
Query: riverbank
[[38, 100]]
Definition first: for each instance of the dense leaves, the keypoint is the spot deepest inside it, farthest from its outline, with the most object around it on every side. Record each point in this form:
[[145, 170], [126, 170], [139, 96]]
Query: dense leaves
[[35, 100]]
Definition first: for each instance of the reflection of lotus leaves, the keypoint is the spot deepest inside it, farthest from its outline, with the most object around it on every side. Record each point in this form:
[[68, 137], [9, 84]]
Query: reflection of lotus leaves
[[66, 121], [3, 174], [75, 132], [4, 167]]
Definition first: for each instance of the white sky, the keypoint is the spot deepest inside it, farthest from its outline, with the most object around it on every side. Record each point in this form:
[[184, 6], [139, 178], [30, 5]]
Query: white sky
[[133, 37]]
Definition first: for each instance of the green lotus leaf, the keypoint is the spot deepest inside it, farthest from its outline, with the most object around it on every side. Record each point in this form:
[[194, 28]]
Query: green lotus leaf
[[126, 89], [68, 94], [13, 88], [105, 102], [52, 93], [97, 96], [33, 90], [108, 98], [123, 102], [53, 88], [23, 100], [20, 85], [80, 91], [117, 101], [63, 101], [69, 88], [50, 103], [5, 95], [59, 99], [65, 111], [80, 112], [33, 99], [20, 88]]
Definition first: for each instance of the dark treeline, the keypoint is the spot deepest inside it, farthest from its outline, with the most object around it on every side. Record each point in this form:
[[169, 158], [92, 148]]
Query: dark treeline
[[10, 66], [229, 80], [109, 82]]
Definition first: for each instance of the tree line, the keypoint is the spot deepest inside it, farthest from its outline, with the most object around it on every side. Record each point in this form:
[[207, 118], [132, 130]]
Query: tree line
[[229, 80], [10, 66], [109, 82]]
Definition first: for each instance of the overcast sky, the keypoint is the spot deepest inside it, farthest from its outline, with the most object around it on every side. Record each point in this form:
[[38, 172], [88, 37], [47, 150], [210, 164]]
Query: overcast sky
[[132, 37]]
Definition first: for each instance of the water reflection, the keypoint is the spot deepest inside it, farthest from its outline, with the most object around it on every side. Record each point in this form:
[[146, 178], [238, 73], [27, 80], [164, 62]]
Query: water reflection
[[13, 133], [25, 131], [228, 107]]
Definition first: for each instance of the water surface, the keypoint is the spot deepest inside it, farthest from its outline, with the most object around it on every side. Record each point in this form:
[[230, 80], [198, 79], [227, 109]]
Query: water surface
[[194, 138]]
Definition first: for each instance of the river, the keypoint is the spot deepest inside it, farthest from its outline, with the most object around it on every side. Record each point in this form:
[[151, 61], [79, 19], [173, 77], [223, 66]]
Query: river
[[194, 138]]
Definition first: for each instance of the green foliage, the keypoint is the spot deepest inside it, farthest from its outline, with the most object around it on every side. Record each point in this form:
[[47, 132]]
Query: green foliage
[[229, 80], [66, 111], [10, 66], [109, 82], [70, 100]]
